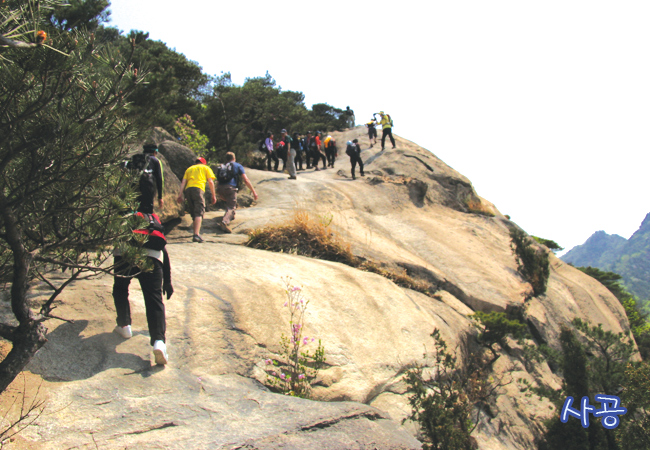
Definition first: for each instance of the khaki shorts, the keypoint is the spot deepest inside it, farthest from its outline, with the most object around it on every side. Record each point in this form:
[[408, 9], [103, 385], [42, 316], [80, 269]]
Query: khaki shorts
[[195, 201]]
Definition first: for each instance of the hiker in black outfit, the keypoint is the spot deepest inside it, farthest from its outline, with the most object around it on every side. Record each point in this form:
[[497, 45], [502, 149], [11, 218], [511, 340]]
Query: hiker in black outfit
[[306, 146], [353, 150], [151, 181], [297, 146]]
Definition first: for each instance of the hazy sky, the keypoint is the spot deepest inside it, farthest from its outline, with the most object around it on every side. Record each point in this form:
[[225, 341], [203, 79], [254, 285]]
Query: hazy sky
[[544, 106]]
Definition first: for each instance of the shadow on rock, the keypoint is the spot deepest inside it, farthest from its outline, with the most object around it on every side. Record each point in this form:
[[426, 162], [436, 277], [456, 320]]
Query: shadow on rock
[[69, 356]]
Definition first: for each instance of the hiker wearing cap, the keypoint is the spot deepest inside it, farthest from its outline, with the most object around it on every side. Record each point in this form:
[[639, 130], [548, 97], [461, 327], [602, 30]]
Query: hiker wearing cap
[[353, 150], [228, 177], [387, 128], [270, 152], [296, 145], [194, 182], [151, 181]]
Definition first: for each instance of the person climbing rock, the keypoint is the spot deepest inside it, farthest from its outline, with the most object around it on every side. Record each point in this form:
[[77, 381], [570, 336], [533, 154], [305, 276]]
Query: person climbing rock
[[228, 177], [353, 150]]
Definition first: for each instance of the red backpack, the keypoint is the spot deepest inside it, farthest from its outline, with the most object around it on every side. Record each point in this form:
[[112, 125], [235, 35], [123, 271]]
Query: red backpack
[[155, 231]]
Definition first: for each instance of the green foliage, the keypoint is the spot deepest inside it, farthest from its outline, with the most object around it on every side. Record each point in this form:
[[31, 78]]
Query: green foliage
[[441, 406], [639, 323], [494, 327], [62, 193], [635, 434], [76, 14], [294, 371], [174, 85], [190, 136], [532, 262], [594, 361], [551, 245]]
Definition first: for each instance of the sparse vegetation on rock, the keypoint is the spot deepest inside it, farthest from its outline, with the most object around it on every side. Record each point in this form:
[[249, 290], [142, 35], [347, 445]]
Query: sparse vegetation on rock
[[532, 261]]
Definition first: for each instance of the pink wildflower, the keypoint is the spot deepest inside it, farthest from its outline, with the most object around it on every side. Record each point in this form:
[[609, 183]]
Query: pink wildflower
[[283, 376], [301, 376], [305, 340], [268, 361]]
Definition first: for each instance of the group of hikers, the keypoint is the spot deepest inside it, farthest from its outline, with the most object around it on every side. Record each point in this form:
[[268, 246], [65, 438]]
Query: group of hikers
[[156, 282], [305, 152]]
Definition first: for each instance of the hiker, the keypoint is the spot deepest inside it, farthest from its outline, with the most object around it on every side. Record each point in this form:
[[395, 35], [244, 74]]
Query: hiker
[[282, 152], [228, 177], [372, 131], [151, 180], [154, 284], [296, 145], [306, 145], [291, 153], [353, 150], [350, 117], [270, 152], [194, 183], [317, 149], [387, 128], [330, 151]]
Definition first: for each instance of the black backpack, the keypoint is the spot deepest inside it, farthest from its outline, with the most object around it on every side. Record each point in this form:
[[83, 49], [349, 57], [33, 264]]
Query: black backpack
[[262, 146], [140, 164], [351, 150], [225, 173]]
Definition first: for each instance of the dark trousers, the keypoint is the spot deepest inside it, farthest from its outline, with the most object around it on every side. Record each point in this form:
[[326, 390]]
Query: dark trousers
[[298, 160], [151, 284], [387, 132], [318, 156], [354, 160], [331, 156], [272, 156]]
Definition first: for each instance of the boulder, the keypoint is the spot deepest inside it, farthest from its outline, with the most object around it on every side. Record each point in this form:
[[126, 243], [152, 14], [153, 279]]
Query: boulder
[[178, 156], [171, 208]]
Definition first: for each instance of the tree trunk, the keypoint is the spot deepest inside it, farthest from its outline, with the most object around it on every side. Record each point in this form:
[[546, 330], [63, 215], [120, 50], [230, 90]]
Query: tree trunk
[[29, 336]]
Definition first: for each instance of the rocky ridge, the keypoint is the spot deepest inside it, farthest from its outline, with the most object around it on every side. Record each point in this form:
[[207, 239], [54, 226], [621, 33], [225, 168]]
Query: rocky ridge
[[411, 211]]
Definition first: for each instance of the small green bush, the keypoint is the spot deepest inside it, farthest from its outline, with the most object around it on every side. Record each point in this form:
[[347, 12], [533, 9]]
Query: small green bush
[[532, 262]]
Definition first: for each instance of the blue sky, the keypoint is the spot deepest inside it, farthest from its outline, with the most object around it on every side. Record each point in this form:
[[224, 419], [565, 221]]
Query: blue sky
[[542, 105]]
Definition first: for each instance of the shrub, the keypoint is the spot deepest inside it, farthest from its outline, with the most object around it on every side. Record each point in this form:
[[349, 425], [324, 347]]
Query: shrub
[[551, 245], [532, 262], [494, 327], [296, 368]]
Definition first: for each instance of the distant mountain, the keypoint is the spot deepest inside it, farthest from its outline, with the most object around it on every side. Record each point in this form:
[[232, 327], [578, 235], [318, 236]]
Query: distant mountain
[[630, 258]]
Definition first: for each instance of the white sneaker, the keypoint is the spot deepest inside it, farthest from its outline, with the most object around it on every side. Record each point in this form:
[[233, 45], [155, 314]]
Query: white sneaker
[[160, 352], [125, 332]]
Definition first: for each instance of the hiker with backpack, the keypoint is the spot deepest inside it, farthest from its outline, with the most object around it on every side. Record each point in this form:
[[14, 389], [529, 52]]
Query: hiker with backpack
[[317, 151], [387, 128], [306, 145], [194, 182], [287, 144], [151, 177], [270, 152], [353, 150], [331, 151], [228, 176], [154, 284], [296, 145]]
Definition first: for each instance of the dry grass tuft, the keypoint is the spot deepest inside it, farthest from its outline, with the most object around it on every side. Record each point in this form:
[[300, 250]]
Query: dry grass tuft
[[476, 206], [308, 236], [304, 236]]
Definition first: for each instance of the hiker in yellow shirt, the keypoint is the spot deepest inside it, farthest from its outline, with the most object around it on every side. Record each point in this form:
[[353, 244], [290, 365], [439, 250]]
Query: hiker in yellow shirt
[[387, 128], [194, 182]]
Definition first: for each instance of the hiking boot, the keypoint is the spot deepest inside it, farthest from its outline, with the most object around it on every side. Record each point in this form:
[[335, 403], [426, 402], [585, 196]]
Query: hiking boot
[[316, 168], [293, 178], [197, 238], [225, 228], [353, 177], [124, 332], [363, 174], [160, 353]]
